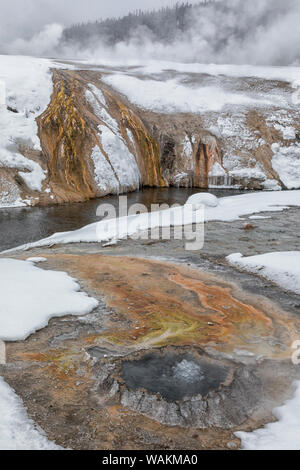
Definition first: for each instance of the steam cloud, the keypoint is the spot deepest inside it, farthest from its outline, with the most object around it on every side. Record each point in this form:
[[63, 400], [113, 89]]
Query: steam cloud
[[237, 31]]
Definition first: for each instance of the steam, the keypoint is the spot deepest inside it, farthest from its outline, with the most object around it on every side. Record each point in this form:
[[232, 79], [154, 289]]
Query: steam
[[42, 43], [264, 32]]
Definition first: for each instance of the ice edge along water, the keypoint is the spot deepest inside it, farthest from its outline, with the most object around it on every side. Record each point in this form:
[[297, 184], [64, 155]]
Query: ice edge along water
[[21, 315], [227, 209]]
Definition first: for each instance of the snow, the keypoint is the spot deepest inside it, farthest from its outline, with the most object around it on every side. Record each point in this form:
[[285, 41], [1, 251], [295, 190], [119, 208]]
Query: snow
[[28, 86], [103, 173], [41, 295], [30, 296], [97, 100], [171, 96], [199, 199], [187, 147], [255, 172], [142, 67], [286, 162], [216, 170], [283, 268], [229, 209], [281, 435], [17, 431], [285, 74], [120, 158], [188, 371]]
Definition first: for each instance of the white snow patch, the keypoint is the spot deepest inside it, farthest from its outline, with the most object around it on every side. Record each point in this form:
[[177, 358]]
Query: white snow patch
[[283, 268], [286, 162], [288, 132], [255, 172], [216, 170], [285, 74], [17, 431], [282, 435], [122, 161], [97, 101], [30, 296], [172, 96], [103, 173], [36, 260], [187, 147], [28, 86], [271, 185]]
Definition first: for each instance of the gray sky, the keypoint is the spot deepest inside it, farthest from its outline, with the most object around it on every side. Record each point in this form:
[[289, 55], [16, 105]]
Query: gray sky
[[22, 18]]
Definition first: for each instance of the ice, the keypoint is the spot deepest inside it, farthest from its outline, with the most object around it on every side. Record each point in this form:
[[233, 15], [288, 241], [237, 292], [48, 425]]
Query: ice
[[103, 173], [199, 199]]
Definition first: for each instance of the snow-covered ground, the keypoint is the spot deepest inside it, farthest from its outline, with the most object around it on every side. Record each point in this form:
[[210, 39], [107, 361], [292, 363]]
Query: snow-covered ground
[[169, 96], [118, 170], [26, 85], [227, 209], [30, 296], [149, 85], [282, 435], [17, 431], [283, 268]]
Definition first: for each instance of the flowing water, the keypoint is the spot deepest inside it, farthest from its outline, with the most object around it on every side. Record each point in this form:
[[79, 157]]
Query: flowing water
[[29, 224]]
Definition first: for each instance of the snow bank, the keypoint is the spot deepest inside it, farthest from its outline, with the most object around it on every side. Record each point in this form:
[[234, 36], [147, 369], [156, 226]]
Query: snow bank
[[28, 86], [283, 268], [205, 199], [30, 296], [282, 435], [17, 431], [169, 96], [286, 162], [228, 209]]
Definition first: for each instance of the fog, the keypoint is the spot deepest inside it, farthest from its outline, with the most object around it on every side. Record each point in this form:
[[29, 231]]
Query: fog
[[236, 31]]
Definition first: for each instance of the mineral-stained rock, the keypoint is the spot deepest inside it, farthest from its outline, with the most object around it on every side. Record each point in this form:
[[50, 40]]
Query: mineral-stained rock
[[225, 353], [96, 142]]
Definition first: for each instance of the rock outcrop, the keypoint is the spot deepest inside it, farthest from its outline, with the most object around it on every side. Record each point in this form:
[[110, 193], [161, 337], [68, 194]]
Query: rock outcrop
[[95, 142]]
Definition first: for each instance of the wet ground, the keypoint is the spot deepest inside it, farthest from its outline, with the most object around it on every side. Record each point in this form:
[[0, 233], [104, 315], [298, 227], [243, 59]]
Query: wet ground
[[29, 224], [182, 351]]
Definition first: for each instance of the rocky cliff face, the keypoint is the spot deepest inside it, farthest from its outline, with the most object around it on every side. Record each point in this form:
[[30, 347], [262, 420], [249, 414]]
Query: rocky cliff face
[[95, 141]]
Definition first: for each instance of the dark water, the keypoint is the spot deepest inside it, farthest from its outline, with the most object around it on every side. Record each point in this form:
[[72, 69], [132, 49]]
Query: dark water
[[173, 375], [29, 224]]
